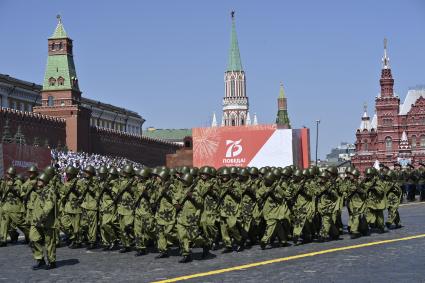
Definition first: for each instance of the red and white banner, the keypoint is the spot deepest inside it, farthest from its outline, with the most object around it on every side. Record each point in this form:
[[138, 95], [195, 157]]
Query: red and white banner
[[263, 145], [22, 157]]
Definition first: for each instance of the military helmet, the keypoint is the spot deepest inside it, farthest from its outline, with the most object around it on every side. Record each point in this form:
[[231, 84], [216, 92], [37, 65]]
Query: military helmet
[[277, 173], [187, 179], [32, 169], [156, 171], [20, 177], [355, 173], [128, 169], [113, 171], [103, 170], [164, 174], [244, 172], [11, 171], [205, 170], [50, 170], [298, 173], [184, 170], [391, 174], [44, 177], [172, 171], [225, 172], [90, 169], [269, 178], [263, 170], [254, 171], [332, 170], [286, 172], [306, 173], [324, 174], [314, 170], [213, 171], [370, 171], [71, 171], [234, 170], [194, 171], [145, 173]]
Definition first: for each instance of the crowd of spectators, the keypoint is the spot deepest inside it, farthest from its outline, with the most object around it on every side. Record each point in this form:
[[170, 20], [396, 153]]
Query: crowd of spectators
[[80, 160]]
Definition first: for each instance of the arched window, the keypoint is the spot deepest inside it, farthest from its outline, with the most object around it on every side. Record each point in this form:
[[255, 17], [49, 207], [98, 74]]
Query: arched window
[[242, 122], [423, 141], [388, 144], [60, 46], [413, 142], [52, 47], [61, 81], [233, 122], [52, 81], [365, 145], [50, 101]]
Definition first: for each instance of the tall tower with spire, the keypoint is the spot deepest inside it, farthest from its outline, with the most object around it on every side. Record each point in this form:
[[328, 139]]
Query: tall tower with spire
[[61, 94], [235, 101], [282, 119]]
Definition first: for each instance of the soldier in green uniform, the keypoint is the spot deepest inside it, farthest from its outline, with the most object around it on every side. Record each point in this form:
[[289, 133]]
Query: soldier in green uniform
[[188, 203], [394, 195], [210, 193], [144, 224], [166, 213], [257, 224], [304, 195], [108, 208], [44, 224], [229, 208], [421, 181], [376, 199], [275, 211], [248, 201], [125, 204], [89, 195], [13, 210], [29, 189], [356, 204], [71, 211], [327, 202]]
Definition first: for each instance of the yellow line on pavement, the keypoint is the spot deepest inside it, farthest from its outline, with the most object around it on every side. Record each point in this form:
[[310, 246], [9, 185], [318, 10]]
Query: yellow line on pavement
[[255, 264]]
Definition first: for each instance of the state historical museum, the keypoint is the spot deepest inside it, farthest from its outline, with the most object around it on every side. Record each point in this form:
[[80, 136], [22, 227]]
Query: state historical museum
[[396, 132]]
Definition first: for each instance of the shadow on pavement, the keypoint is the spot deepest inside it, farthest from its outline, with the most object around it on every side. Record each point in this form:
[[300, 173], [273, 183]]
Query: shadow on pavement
[[65, 262]]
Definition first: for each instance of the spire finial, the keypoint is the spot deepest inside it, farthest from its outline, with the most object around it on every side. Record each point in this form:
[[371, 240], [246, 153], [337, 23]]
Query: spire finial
[[281, 91], [385, 59], [232, 14], [58, 16], [365, 107]]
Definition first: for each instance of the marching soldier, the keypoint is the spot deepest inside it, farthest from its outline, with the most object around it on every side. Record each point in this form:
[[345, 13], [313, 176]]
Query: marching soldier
[[43, 224], [394, 196], [356, 204]]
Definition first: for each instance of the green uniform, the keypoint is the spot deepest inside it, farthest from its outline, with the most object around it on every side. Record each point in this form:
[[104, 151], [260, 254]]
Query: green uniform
[[13, 210], [29, 188], [394, 196], [165, 215], [125, 205], [144, 222], [231, 194], [304, 209], [327, 202], [189, 200], [44, 224], [90, 196], [356, 205], [211, 195], [275, 212], [71, 211], [376, 202], [108, 212], [247, 205]]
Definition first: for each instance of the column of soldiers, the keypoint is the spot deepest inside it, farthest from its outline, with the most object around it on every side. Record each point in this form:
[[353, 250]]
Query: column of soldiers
[[160, 208]]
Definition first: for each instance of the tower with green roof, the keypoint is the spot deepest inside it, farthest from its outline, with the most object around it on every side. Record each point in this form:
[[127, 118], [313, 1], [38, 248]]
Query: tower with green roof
[[282, 119], [235, 101], [61, 95]]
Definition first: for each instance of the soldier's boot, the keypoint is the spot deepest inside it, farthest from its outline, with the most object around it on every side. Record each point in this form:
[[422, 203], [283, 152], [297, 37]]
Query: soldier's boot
[[124, 250], [241, 246], [141, 252], [39, 264], [162, 255], [355, 235], [74, 245], [388, 224], [205, 252], [91, 246], [3, 244], [186, 259], [263, 245], [228, 250], [295, 240], [14, 236], [51, 265], [113, 246]]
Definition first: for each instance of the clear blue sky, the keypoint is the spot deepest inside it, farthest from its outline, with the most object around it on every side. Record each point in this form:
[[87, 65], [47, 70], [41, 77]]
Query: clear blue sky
[[166, 59]]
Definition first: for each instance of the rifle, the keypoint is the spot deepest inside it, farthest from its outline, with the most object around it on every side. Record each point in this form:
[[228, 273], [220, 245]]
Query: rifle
[[28, 194], [71, 189], [121, 193], [143, 195]]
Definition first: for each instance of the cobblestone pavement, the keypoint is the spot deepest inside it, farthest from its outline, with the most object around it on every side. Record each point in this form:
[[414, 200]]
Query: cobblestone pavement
[[399, 261]]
